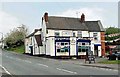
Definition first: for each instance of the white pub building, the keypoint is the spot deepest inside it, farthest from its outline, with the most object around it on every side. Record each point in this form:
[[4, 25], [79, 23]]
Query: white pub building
[[64, 36]]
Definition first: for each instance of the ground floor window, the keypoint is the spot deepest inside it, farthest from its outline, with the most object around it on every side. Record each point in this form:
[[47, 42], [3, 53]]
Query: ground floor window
[[83, 46], [62, 46]]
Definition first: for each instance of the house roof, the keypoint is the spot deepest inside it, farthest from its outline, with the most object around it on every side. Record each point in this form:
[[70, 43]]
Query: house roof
[[73, 24], [38, 40], [32, 34]]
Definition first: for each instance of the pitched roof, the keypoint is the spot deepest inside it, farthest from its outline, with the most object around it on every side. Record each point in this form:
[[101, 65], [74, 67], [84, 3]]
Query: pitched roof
[[32, 34], [38, 40], [66, 23]]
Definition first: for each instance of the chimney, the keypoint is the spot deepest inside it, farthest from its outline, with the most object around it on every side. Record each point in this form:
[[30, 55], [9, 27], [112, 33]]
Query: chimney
[[46, 17], [82, 18]]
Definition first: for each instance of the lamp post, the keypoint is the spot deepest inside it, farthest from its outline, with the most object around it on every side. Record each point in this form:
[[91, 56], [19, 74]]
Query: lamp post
[[2, 39]]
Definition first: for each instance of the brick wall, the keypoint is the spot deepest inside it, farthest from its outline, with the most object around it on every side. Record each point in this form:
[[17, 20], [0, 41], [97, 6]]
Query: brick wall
[[103, 43]]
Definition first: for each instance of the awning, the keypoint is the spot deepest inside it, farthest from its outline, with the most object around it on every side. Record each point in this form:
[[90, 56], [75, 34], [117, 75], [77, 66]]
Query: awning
[[97, 44]]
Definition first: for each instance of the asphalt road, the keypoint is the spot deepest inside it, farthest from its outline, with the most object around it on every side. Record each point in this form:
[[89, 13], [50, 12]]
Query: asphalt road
[[21, 64]]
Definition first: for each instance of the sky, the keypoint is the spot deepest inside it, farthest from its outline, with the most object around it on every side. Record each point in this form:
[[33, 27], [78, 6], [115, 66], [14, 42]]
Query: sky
[[13, 14]]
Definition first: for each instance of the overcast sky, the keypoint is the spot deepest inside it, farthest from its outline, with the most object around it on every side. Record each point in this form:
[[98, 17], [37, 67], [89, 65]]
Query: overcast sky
[[13, 13]]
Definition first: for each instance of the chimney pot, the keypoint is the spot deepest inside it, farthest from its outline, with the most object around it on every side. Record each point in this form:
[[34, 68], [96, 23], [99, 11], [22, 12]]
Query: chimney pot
[[82, 18], [46, 17]]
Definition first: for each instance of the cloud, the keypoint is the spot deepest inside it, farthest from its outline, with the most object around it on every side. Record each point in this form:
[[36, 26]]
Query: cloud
[[90, 13], [7, 22]]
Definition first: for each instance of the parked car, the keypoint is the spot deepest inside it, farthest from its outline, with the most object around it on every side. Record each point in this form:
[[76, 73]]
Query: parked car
[[115, 55]]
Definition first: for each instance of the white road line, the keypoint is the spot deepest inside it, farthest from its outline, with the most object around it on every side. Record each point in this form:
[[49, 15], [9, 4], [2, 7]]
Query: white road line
[[43, 58], [10, 57], [5, 70], [27, 61], [6, 56], [43, 65], [66, 70], [107, 69], [19, 59]]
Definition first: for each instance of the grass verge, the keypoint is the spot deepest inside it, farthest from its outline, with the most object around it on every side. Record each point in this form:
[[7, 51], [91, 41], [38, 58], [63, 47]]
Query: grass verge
[[110, 62], [19, 49]]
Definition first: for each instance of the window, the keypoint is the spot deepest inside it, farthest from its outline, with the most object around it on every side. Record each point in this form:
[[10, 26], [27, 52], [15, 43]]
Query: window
[[95, 34], [62, 47], [62, 50], [66, 43], [66, 50], [83, 43], [79, 34], [57, 34], [83, 49], [79, 43], [58, 43], [74, 34], [58, 50], [79, 49], [62, 43]]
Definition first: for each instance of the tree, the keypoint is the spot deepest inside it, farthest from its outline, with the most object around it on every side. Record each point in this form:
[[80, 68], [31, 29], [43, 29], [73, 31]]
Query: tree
[[16, 36], [112, 30]]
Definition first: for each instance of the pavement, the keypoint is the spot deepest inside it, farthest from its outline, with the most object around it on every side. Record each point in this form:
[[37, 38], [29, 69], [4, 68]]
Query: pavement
[[96, 64]]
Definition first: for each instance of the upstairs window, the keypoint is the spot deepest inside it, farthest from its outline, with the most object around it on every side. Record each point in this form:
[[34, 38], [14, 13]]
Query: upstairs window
[[79, 34], [57, 34], [95, 35], [73, 34]]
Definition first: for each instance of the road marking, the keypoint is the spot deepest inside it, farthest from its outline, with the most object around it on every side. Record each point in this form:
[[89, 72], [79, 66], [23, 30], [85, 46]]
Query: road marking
[[27, 61], [43, 58], [43, 65], [107, 69], [10, 57], [66, 70], [5, 70], [19, 59], [6, 56]]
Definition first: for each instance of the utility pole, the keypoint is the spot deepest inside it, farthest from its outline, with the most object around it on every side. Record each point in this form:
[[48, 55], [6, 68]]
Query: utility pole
[[2, 39]]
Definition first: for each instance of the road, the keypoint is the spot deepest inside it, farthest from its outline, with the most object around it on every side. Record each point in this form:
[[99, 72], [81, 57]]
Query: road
[[21, 64]]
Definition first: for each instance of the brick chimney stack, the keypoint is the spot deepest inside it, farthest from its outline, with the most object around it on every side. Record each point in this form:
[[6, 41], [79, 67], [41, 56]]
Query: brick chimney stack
[[46, 17], [82, 19]]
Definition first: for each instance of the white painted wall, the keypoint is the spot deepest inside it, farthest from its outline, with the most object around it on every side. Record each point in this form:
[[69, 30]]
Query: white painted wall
[[52, 46], [99, 51], [27, 50], [85, 34], [81, 53], [37, 50], [66, 33], [73, 46], [92, 47]]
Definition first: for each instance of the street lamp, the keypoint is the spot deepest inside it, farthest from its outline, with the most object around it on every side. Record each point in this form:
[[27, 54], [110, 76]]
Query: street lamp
[[2, 39]]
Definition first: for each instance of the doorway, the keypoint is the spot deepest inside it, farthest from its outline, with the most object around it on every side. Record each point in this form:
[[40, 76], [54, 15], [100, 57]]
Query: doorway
[[96, 50], [31, 49]]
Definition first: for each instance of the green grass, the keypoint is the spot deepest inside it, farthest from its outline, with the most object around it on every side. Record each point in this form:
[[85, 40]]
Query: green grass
[[110, 62], [19, 49]]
